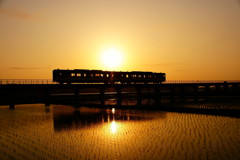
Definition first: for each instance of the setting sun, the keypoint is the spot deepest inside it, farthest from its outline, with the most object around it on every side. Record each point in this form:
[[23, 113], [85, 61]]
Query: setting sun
[[112, 59]]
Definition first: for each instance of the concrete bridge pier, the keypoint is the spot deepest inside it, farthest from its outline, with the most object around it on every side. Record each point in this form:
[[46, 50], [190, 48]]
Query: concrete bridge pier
[[195, 89], [76, 92], [172, 98], [47, 97], [207, 88], [183, 96], [235, 88], [11, 100], [119, 96], [102, 97], [139, 96], [47, 108], [157, 97], [11, 106], [207, 91], [225, 86]]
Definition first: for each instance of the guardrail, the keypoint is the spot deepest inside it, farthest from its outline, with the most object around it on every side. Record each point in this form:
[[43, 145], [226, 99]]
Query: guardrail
[[49, 81], [200, 81], [26, 81]]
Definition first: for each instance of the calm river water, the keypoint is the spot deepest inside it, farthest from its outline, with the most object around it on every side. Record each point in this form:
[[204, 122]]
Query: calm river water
[[63, 132]]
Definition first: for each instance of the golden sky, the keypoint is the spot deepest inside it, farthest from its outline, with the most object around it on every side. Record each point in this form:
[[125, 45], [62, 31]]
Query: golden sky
[[186, 39]]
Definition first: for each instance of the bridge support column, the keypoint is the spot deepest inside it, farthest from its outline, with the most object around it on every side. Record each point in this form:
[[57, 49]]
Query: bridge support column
[[196, 96], [172, 92], [11, 106], [235, 88], [47, 97], [102, 97], [207, 88], [47, 108], [139, 96], [76, 92], [119, 96], [183, 92], [11, 98], [157, 96], [77, 96], [218, 88], [225, 86]]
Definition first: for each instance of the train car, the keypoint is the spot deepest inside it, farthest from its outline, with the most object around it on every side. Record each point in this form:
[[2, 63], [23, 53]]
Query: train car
[[107, 77]]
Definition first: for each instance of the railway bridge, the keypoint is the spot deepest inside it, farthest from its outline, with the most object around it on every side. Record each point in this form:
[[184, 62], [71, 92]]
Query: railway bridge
[[45, 91]]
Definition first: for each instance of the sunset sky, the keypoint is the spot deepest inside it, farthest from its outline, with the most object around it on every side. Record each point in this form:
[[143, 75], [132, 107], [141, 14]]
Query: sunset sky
[[186, 39]]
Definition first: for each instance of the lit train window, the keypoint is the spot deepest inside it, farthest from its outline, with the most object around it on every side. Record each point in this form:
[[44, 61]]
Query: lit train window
[[107, 75], [101, 75], [84, 75], [139, 76], [78, 74], [126, 75], [73, 74], [144, 76]]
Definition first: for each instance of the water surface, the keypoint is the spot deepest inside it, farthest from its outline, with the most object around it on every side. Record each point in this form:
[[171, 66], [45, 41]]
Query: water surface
[[63, 132]]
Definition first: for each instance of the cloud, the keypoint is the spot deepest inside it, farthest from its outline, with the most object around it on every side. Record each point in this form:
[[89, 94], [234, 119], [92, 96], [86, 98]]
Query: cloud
[[27, 68], [180, 70], [162, 64], [15, 13]]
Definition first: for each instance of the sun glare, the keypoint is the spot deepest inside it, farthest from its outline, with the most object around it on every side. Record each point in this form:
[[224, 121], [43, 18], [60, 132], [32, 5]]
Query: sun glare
[[111, 59]]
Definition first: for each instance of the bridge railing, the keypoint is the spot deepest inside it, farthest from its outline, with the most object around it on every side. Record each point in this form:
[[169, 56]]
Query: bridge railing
[[199, 81], [26, 81], [49, 81]]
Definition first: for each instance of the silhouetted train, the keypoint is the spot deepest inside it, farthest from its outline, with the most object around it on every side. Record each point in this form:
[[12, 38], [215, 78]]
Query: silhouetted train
[[107, 77]]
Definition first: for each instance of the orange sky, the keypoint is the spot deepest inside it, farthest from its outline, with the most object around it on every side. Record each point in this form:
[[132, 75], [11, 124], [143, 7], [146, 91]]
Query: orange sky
[[186, 39]]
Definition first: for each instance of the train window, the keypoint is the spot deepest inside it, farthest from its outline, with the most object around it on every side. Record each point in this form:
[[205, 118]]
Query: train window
[[101, 75], [107, 75], [144, 76], [78, 74], [73, 74], [60, 74], [139, 76], [126, 75], [84, 74]]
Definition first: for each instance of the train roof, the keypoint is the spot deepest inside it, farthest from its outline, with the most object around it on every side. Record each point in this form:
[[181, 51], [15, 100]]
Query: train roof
[[88, 70]]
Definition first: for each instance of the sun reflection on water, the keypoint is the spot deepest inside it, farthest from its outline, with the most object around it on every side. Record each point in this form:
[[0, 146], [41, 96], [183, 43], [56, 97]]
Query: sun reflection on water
[[113, 110], [113, 127]]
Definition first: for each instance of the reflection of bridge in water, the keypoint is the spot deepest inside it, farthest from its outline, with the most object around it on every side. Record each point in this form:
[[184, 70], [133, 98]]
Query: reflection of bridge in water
[[43, 91], [84, 117]]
